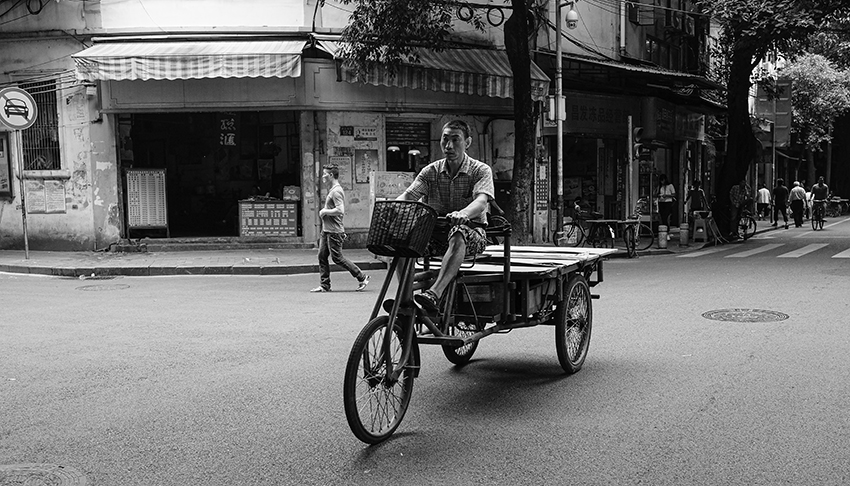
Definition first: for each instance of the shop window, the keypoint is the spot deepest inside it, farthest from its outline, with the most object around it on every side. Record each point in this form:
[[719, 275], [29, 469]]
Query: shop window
[[41, 140], [408, 145]]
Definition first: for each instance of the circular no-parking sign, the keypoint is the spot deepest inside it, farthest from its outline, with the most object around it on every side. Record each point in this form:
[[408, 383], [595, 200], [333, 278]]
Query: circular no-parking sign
[[17, 108]]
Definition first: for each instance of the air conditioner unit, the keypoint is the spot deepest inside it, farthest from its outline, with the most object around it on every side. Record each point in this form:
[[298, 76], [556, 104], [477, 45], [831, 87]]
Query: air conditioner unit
[[641, 16], [690, 25]]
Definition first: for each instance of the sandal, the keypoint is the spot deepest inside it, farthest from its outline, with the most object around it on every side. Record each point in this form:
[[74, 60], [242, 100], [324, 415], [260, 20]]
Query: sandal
[[428, 301]]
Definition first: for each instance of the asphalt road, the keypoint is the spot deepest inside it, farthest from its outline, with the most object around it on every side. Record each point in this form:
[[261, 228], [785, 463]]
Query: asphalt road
[[238, 380]]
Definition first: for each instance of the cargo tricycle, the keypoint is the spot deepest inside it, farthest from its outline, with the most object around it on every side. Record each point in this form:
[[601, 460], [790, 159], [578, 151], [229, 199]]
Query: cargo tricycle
[[502, 289]]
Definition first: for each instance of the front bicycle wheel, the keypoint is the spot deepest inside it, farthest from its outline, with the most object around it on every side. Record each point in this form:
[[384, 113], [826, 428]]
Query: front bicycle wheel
[[570, 235], [374, 403], [645, 237], [747, 227], [816, 216], [573, 323], [630, 238]]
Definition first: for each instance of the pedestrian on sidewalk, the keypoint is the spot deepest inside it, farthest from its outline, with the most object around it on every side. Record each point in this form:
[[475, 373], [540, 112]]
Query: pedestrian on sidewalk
[[798, 203], [666, 196], [333, 233], [780, 202], [696, 196], [763, 202]]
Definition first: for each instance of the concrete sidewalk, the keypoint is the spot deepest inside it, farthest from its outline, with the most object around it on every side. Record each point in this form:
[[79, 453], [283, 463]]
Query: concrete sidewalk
[[212, 262], [219, 262]]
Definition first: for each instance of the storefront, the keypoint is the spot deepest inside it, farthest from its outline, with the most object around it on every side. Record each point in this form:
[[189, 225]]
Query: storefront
[[595, 151], [204, 133]]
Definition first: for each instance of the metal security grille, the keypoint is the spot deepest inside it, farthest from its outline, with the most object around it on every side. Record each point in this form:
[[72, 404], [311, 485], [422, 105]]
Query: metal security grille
[[41, 140]]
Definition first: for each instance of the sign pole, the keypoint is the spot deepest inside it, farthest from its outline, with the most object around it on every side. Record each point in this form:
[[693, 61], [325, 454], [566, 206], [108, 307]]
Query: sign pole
[[19, 113], [20, 163]]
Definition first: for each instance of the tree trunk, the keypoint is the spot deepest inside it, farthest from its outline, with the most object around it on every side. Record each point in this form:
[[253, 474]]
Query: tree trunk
[[810, 168], [520, 210], [740, 143], [828, 161]]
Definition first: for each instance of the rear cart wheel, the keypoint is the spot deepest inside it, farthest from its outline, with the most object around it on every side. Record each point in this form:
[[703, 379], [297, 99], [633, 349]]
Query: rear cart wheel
[[574, 321], [375, 404], [461, 355]]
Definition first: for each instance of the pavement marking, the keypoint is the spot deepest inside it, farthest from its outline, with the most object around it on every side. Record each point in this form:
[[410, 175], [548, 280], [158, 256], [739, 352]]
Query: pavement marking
[[843, 254], [756, 251], [804, 250], [703, 252], [836, 223]]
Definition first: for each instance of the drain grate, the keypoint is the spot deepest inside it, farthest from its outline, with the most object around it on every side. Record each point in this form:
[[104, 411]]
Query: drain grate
[[745, 315], [37, 474], [103, 287]]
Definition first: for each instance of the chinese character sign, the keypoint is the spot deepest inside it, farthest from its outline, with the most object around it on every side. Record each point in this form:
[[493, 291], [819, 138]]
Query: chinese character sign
[[227, 128]]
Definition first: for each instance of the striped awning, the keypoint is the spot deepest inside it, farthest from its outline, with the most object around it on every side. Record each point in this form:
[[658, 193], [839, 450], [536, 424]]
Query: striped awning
[[479, 72], [171, 60]]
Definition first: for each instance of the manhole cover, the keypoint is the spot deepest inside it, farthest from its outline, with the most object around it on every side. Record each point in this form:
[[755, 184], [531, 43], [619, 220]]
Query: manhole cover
[[102, 288], [40, 475], [745, 315]]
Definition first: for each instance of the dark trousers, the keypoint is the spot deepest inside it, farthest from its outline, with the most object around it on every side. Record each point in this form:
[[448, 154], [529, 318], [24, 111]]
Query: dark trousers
[[780, 208], [331, 245], [797, 209], [665, 210]]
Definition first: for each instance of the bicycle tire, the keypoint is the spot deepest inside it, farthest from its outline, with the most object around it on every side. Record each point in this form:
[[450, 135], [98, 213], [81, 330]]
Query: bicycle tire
[[816, 216], [571, 235], [630, 238], [374, 408], [747, 227], [573, 325], [645, 237]]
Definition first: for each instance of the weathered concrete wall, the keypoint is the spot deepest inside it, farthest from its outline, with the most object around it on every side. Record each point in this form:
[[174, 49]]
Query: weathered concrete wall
[[365, 148], [72, 228], [155, 15]]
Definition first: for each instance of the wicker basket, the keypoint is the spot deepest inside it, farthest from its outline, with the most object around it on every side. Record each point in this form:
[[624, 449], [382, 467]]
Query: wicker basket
[[400, 228]]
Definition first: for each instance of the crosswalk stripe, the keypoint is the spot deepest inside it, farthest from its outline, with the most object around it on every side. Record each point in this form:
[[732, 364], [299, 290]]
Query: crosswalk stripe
[[804, 250], [755, 251], [706, 251], [843, 254]]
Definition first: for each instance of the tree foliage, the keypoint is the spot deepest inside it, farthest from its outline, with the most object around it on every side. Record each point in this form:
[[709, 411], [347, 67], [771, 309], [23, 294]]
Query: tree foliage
[[820, 94], [389, 32], [749, 30]]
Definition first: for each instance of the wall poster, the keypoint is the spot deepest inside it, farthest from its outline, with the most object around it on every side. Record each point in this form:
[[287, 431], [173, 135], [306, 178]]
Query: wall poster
[[365, 161], [5, 167], [343, 163]]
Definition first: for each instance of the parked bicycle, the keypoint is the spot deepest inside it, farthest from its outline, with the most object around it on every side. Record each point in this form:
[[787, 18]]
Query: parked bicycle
[[577, 231], [747, 223], [836, 206]]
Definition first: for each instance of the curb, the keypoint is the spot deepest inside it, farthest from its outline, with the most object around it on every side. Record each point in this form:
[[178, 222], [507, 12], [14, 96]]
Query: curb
[[155, 271]]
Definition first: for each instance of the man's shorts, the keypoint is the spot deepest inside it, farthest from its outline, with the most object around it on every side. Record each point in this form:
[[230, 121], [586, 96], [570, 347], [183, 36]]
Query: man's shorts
[[476, 240]]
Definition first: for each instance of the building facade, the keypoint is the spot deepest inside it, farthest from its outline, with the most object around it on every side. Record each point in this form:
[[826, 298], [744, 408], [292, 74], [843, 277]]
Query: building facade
[[168, 120]]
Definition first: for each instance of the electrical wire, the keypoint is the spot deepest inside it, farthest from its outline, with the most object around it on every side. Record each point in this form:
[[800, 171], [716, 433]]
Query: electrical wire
[[12, 7]]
